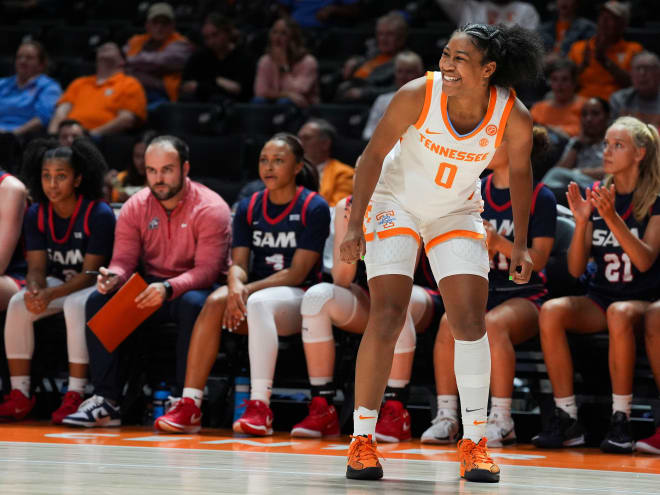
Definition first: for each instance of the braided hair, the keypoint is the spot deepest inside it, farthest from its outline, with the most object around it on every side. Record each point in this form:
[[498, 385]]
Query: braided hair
[[517, 52]]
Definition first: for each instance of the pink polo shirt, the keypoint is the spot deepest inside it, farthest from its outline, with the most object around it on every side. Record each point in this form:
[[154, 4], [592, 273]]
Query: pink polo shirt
[[190, 248]]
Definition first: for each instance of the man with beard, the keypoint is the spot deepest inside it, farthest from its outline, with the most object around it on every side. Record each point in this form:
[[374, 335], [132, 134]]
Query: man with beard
[[179, 232]]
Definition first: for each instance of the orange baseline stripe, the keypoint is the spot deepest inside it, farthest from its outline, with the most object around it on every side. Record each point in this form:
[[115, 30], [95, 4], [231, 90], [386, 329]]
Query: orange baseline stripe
[[399, 231], [451, 235], [505, 117], [427, 100], [489, 113]]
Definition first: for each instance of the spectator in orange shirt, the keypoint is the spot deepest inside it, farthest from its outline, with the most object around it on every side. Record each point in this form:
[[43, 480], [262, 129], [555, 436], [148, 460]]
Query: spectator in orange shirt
[[561, 112], [108, 102], [336, 178], [559, 34], [367, 79], [604, 61], [157, 58]]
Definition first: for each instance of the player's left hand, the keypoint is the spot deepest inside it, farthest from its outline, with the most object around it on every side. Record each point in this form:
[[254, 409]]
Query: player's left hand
[[153, 295], [602, 198], [521, 265]]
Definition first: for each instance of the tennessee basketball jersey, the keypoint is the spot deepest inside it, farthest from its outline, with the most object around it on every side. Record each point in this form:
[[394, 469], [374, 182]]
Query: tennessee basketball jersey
[[433, 170]]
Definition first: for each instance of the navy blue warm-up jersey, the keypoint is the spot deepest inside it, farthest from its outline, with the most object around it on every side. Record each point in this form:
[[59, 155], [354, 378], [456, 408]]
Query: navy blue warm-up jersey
[[498, 211], [90, 230], [274, 232], [616, 276]]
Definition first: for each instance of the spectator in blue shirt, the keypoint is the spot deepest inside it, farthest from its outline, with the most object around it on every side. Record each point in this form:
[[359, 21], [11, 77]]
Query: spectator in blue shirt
[[27, 99]]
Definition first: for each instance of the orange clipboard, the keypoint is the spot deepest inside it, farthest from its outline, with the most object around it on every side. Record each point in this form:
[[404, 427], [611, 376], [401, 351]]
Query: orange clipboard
[[119, 317]]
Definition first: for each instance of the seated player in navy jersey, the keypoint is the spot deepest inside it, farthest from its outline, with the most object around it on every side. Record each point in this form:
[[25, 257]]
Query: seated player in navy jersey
[[67, 231], [651, 445], [283, 229], [618, 225], [345, 304], [512, 309], [12, 259]]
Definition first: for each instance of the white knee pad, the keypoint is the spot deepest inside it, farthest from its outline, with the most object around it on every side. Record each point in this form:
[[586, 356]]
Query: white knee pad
[[459, 256], [407, 338], [315, 298], [394, 255]]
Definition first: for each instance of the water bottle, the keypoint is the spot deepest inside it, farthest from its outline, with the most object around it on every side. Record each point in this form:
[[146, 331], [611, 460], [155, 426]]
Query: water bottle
[[241, 394], [160, 396]]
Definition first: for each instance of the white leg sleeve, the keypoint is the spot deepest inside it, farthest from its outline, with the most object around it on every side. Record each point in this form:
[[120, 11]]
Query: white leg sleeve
[[472, 369], [271, 312], [19, 323], [74, 315], [325, 305]]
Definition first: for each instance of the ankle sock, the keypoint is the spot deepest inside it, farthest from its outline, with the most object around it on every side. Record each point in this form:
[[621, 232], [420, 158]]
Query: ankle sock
[[195, 394], [21, 383], [364, 421], [568, 405]]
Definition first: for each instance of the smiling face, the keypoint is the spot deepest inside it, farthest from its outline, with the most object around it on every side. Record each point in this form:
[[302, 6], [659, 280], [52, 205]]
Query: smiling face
[[277, 165], [165, 174], [619, 150], [59, 180], [461, 66]]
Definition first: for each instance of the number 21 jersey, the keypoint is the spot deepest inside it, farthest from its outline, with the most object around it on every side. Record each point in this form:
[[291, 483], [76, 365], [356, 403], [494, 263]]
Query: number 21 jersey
[[616, 275]]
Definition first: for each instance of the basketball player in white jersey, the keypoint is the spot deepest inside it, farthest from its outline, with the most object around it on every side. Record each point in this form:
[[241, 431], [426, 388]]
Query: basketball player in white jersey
[[422, 166]]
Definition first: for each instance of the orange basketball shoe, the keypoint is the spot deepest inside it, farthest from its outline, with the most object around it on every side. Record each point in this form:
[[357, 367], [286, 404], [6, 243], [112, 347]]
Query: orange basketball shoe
[[363, 461], [475, 463]]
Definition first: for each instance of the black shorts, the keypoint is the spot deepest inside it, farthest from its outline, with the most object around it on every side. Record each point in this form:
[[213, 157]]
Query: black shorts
[[604, 300], [536, 295]]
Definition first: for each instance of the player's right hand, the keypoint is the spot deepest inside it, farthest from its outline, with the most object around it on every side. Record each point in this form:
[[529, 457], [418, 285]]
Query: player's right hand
[[107, 281], [353, 246], [581, 207]]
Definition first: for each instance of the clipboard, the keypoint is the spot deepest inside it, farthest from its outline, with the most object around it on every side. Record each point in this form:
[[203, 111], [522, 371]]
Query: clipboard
[[119, 317]]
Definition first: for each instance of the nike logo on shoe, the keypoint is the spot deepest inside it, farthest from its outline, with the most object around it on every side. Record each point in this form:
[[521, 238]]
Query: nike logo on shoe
[[623, 445], [195, 418], [406, 427]]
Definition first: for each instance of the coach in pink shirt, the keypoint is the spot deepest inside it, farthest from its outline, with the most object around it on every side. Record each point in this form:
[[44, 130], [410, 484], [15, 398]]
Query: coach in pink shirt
[[178, 233]]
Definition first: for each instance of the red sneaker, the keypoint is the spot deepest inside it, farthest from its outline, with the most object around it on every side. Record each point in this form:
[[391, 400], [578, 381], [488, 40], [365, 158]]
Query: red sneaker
[[322, 421], [183, 417], [650, 445], [16, 406], [70, 404], [256, 420], [393, 423]]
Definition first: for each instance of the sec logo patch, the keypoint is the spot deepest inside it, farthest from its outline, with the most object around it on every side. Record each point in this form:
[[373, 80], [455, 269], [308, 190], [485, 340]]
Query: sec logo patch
[[491, 130], [483, 142]]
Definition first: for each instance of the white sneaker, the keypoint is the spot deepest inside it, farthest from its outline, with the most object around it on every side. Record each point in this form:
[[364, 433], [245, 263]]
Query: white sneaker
[[95, 411], [443, 429], [500, 430]]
